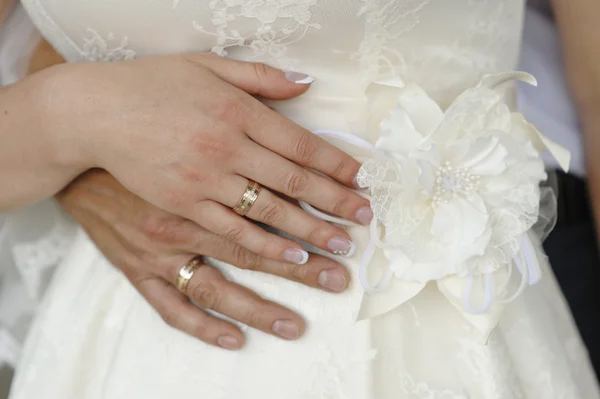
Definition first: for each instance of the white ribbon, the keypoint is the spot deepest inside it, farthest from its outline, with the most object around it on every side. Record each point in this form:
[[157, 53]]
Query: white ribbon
[[525, 260]]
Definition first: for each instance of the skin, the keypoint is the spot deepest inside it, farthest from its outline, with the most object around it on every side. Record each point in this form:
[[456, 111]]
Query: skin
[[5, 6], [581, 40], [218, 137], [149, 246], [158, 209], [577, 23]]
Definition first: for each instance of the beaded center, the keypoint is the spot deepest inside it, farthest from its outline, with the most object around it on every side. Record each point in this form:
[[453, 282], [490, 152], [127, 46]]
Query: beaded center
[[451, 182]]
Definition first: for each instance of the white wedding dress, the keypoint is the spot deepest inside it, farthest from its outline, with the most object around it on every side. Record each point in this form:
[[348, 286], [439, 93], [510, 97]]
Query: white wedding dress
[[95, 337]]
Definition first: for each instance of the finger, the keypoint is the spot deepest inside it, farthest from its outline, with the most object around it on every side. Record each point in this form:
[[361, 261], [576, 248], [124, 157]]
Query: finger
[[226, 223], [318, 272], [281, 175], [255, 78], [274, 211], [209, 289], [301, 146], [176, 310], [172, 306]]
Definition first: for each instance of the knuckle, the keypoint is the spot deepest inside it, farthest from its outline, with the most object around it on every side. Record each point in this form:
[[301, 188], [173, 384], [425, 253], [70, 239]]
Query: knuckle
[[269, 247], [147, 260], [131, 263], [136, 276], [255, 319], [245, 259], [151, 225], [261, 71], [229, 108], [316, 236], [300, 274], [170, 318], [213, 145], [207, 296], [201, 331], [234, 233], [341, 205], [174, 199], [295, 273], [160, 229], [296, 183], [191, 174], [202, 241], [341, 168], [271, 213], [304, 147]]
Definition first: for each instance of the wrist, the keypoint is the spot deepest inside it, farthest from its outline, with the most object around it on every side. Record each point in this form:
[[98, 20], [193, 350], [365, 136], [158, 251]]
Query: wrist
[[35, 161], [52, 109]]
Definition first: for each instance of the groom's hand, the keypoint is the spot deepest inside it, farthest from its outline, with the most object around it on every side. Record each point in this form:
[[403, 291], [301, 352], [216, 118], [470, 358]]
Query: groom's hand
[[150, 245]]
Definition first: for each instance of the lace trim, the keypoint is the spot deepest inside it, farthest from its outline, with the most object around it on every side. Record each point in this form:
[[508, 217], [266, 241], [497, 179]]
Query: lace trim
[[98, 49], [475, 52], [277, 25], [386, 22], [421, 390]]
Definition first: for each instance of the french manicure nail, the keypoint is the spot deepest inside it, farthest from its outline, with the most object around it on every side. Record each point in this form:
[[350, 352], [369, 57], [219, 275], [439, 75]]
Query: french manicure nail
[[341, 246], [364, 215], [228, 342], [286, 329], [333, 280], [295, 255], [355, 183], [299, 78]]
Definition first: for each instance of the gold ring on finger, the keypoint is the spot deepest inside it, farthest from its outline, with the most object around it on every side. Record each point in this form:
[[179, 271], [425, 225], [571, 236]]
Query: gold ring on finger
[[248, 198], [186, 272]]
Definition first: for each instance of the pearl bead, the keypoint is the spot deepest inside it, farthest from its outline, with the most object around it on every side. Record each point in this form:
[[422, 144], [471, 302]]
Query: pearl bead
[[451, 183]]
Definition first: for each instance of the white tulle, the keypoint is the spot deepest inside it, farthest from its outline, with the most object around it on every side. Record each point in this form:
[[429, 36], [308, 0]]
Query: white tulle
[[95, 337]]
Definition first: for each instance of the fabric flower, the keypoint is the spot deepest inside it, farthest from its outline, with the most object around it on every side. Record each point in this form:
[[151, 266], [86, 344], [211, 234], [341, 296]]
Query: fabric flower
[[454, 189], [455, 194]]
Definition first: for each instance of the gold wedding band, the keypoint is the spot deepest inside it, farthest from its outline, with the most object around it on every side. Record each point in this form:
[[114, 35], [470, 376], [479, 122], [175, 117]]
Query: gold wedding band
[[186, 273], [248, 198]]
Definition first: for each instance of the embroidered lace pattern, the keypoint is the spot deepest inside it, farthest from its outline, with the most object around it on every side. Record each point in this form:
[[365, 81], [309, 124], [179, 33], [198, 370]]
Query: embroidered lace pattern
[[98, 49], [271, 27], [416, 41]]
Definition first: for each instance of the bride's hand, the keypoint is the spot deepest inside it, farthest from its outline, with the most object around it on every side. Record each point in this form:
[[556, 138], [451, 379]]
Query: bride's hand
[[150, 246], [186, 134]]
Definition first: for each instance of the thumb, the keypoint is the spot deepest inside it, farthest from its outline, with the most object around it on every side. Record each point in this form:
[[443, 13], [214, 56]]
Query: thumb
[[255, 78]]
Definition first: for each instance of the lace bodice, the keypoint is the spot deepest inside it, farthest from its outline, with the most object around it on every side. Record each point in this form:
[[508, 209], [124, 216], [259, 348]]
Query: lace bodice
[[424, 349], [442, 45]]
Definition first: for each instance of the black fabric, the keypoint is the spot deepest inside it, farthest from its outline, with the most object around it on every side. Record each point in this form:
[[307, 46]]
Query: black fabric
[[573, 251]]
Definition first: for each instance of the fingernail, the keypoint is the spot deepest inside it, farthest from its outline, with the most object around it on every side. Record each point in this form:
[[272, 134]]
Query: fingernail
[[228, 342], [364, 215], [341, 246], [299, 78], [286, 329], [295, 255], [355, 183], [333, 280]]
